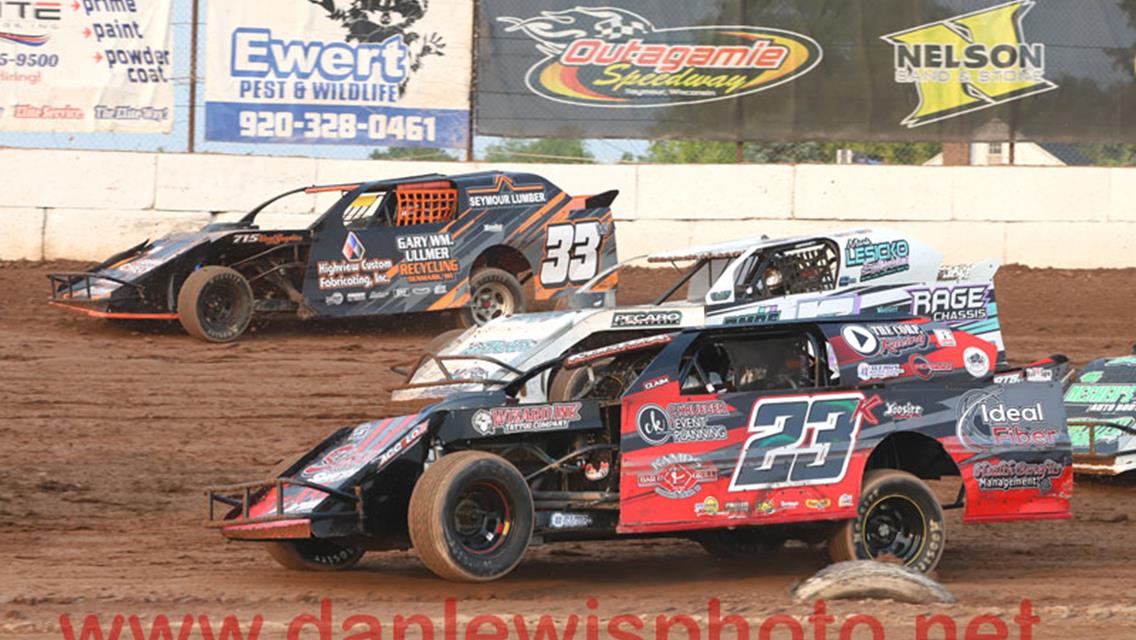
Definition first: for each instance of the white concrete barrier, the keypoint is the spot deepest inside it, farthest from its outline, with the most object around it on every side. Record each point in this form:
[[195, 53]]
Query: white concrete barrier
[[86, 205]]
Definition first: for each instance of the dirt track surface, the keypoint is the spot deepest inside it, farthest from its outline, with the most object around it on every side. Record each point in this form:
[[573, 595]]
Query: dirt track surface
[[109, 437]]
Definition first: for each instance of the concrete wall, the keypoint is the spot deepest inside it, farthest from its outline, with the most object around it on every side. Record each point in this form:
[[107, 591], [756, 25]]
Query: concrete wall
[[86, 205]]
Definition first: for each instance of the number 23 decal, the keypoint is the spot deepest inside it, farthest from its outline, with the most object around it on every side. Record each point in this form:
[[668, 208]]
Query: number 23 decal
[[572, 253], [799, 440]]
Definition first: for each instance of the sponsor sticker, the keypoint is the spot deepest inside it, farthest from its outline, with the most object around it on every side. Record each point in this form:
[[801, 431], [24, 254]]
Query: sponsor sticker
[[961, 302], [969, 62], [681, 422], [976, 361], [601, 56], [677, 475], [646, 319], [988, 420], [526, 418]]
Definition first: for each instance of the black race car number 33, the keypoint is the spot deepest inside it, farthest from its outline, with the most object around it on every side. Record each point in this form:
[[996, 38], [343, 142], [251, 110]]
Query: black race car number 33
[[572, 253]]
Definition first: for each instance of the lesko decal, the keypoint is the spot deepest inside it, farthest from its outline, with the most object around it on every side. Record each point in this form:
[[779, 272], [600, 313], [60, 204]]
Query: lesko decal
[[608, 57], [970, 62]]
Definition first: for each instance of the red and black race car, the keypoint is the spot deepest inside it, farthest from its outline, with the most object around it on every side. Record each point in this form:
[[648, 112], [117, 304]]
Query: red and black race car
[[738, 437], [424, 243]]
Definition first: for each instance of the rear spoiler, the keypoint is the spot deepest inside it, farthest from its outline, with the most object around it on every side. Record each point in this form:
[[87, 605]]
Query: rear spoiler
[[984, 270]]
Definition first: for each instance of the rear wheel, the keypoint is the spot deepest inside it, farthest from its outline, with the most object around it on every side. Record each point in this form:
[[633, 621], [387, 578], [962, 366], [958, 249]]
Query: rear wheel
[[898, 518], [314, 555], [215, 304], [493, 294], [471, 517]]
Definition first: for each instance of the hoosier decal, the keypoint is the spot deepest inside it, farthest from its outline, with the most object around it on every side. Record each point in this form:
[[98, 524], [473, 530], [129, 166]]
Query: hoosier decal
[[609, 57]]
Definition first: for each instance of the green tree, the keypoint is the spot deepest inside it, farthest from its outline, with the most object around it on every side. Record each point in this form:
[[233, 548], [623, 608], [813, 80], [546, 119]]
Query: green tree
[[565, 150], [690, 152], [413, 153]]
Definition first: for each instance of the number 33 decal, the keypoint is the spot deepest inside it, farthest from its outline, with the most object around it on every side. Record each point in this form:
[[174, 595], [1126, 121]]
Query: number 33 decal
[[572, 253]]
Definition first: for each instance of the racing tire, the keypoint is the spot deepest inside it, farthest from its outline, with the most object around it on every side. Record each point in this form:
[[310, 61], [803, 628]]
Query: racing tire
[[471, 517], [493, 294], [738, 544], [898, 519], [215, 304], [313, 555], [567, 384]]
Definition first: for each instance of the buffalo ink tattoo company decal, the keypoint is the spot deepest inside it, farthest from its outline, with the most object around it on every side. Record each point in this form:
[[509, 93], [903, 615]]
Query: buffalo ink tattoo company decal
[[677, 475], [526, 419], [610, 57]]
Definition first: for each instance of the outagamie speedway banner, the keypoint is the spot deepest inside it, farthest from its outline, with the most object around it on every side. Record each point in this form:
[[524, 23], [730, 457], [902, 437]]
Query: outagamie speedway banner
[[359, 72], [809, 69], [86, 65]]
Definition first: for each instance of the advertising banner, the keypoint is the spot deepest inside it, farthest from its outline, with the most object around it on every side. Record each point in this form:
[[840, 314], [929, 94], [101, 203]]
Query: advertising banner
[[809, 69], [85, 66], [392, 73]]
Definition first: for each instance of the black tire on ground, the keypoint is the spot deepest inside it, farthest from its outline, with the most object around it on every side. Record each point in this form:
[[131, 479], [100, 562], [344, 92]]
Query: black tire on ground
[[215, 304], [738, 544], [471, 517], [313, 555], [493, 294], [898, 519]]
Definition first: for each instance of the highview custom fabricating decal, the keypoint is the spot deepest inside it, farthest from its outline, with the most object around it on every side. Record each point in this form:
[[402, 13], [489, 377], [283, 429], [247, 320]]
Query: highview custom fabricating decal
[[339, 72], [86, 66], [970, 62], [610, 57]]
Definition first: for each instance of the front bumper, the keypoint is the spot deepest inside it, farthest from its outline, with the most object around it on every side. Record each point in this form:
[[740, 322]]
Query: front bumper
[[238, 523], [87, 293], [1118, 458]]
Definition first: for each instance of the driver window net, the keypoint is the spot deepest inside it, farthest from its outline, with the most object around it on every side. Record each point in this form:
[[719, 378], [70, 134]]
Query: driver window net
[[425, 206]]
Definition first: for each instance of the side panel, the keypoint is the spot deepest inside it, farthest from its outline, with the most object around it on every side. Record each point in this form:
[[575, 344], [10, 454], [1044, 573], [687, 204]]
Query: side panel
[[751, 458], [426, 267], [732, 459]]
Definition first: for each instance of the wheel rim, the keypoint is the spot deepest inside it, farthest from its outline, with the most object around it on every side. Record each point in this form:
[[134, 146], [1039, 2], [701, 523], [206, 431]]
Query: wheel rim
[[895, 526], [482, 518], [221, 307], [492, 300]]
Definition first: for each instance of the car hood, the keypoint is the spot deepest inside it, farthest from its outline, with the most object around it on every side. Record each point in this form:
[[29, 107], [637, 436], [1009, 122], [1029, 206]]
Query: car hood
[[340, 461], [498, 350], [136, 265]]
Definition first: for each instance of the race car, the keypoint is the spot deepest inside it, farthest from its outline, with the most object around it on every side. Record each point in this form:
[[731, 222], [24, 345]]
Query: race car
[[858, 274], [424, 243], [738, 437], [1101, 404]]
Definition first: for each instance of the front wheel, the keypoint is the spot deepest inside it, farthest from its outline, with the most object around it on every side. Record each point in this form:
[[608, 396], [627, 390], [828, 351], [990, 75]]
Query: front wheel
[[493, 294], [471, 517], [314, 555], [898, 518], [215, 304]]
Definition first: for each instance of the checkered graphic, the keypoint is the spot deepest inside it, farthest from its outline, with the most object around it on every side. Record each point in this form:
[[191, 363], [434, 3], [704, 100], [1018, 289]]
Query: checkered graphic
[[353, 249], [616, 29]]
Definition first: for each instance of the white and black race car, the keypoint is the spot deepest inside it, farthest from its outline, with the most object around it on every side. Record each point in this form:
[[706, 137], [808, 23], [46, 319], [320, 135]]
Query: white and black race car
[[854, 274]]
